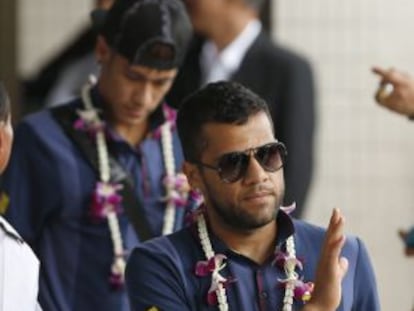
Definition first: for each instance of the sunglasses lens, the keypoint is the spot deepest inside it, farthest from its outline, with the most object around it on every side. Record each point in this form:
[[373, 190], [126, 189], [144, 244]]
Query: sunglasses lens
[[232, 166], [271, 157]]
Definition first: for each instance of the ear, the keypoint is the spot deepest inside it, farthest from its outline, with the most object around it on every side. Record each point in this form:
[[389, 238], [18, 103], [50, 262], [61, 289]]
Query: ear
[[193, 175], [5, 146], [102, 50], [2, 138]]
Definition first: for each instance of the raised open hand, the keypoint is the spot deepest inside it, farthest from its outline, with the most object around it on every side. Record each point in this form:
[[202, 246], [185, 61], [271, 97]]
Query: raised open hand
[[331, 268]]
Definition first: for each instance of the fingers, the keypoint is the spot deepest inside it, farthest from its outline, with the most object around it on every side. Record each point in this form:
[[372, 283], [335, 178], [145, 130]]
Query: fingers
[[390, 75], [331, 267], [335, 238], [343, 264], [379, 71], [334, 242], [385, 74], [389, 79], [383, 93], [409, 251]]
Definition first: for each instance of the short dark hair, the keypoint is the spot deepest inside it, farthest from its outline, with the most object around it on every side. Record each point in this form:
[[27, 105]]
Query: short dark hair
[[219, 102], [4, 103]]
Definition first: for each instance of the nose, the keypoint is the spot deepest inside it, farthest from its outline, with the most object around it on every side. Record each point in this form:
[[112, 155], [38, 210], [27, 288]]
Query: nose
[[254, 171], [143, 94]]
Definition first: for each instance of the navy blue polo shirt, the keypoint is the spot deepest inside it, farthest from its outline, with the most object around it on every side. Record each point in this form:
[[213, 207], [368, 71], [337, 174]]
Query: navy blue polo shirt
[[50, 185], [160, 273]]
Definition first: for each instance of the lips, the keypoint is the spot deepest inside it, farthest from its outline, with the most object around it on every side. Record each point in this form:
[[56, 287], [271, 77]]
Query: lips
[[258, 195], [134, 112]]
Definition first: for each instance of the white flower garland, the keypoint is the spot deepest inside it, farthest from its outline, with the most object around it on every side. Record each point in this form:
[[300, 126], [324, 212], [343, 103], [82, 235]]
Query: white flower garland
[[167, 147], [209, 253], [292, 276], [118, 265]]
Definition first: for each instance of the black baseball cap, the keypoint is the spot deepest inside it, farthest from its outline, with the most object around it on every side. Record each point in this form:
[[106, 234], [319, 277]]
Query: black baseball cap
[[151, 33]]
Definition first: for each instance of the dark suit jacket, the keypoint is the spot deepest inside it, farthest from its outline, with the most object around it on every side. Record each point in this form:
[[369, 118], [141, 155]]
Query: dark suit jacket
[[285, 81]]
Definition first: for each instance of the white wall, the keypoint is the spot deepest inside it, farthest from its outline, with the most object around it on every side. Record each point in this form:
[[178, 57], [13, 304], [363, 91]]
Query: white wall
[[44, 26], [364, 154]]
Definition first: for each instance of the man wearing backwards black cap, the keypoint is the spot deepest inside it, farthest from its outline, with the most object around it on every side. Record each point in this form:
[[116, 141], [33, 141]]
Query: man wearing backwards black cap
[[89, 180]]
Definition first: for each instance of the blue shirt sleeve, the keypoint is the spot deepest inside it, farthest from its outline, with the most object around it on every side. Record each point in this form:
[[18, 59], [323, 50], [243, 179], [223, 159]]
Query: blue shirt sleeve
[[154, 280], [365, 290], [28, 177]]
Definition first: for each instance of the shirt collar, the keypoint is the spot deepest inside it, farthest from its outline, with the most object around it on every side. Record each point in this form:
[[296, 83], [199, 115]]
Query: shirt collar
[[231, 56]]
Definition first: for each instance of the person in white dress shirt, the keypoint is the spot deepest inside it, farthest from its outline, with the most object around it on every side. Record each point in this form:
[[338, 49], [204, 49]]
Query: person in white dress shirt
[[19, 266]]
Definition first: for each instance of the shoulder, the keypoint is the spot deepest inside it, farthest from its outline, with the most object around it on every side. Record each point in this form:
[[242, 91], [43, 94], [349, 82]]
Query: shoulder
[[38, 118], [311, 231], [357, 254], [158, 273], [171, 256], [43, 120], [313, 236], [278, 54], [173, 248], [42, 126]]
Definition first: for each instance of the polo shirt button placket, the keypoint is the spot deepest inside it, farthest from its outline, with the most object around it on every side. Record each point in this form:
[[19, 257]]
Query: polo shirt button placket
[[264, 295]]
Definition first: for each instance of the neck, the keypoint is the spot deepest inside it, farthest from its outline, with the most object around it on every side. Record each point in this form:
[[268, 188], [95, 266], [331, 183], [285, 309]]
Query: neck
[[133, 134], [234, 26], [256, 244]]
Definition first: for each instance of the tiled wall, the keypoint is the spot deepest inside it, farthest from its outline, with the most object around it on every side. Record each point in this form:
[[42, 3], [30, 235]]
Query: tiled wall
[[364, 154]]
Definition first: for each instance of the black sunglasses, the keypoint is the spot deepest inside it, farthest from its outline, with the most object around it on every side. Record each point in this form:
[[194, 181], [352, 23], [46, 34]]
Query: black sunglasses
[[233, 166]]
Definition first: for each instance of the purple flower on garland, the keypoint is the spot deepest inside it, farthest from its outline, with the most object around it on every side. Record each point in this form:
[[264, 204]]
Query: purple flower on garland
[[282, 260], [178, 190], [116, 280], [289, 209], [105, 198], [178, 181], [302, 291], [197, 207], [212, 267], [206, 267], [195, 200], [88, 121], [170, 116], [117, 276]]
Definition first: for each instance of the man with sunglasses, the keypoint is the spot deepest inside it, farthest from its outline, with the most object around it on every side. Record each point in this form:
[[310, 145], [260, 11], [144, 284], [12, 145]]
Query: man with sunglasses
[[243, 251], [231, 44]]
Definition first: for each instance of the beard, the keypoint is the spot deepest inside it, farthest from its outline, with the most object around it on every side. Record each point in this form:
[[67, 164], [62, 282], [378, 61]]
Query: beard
[[239, 218]]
